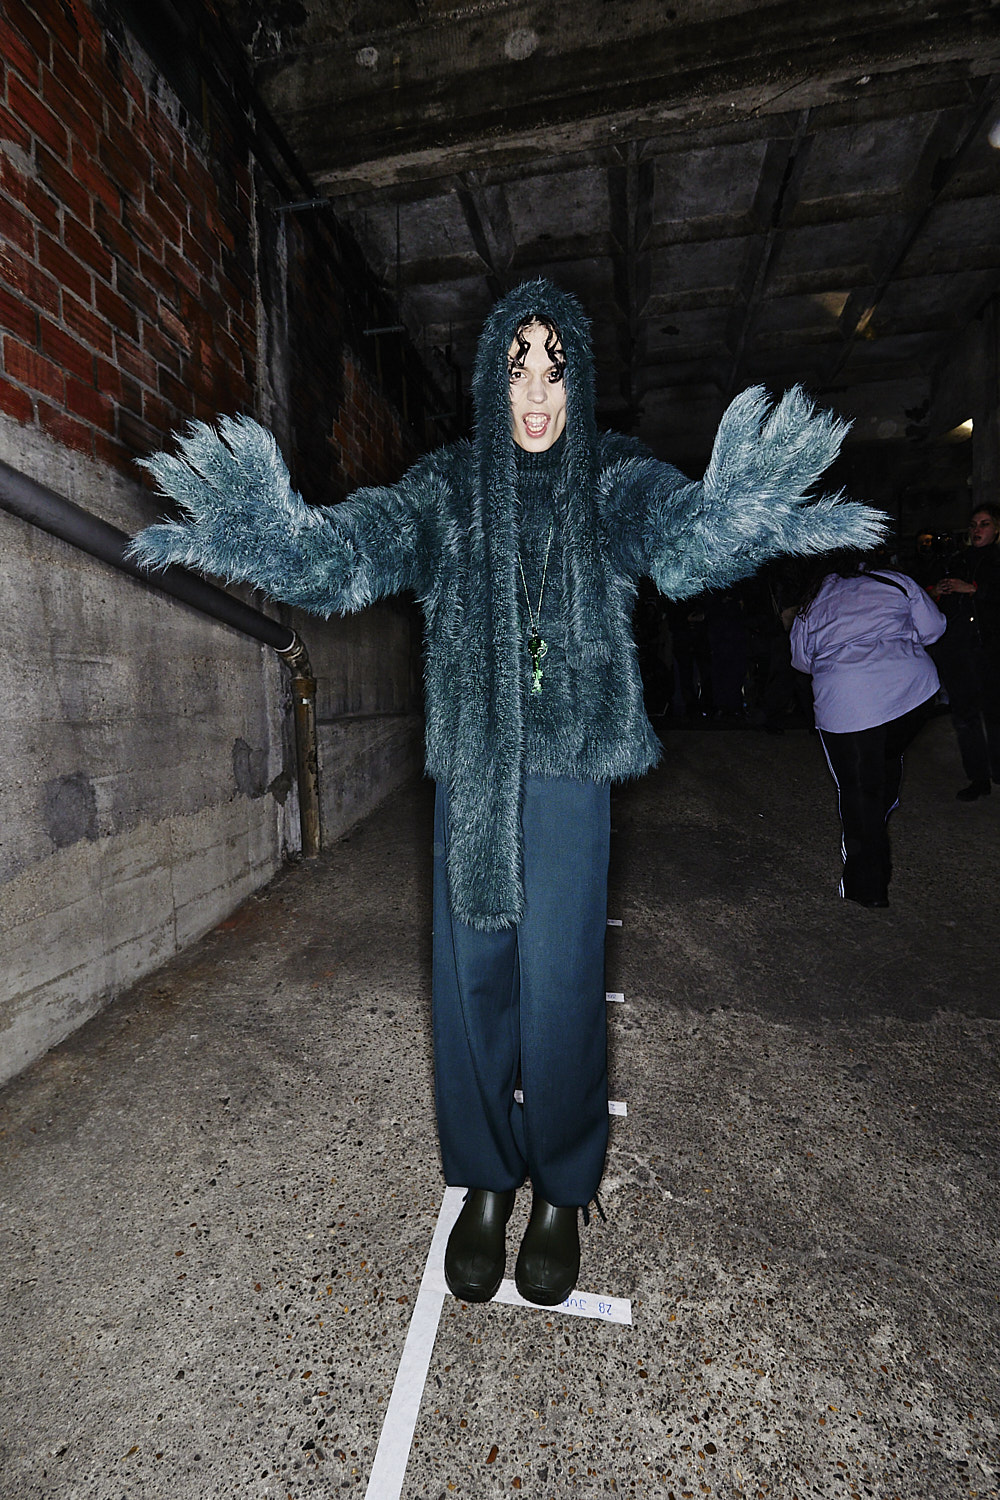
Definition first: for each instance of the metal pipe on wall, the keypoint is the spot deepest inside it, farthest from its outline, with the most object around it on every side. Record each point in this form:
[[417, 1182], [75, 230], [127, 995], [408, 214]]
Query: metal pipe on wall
[[42, 507]]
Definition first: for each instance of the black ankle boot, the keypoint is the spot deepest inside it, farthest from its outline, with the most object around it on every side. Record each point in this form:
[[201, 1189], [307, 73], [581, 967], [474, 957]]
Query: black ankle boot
[[476, 1256], [974, 791], [548, 1261]]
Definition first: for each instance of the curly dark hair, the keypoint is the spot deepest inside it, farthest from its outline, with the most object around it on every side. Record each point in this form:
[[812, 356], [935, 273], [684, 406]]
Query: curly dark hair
[[553, 343]]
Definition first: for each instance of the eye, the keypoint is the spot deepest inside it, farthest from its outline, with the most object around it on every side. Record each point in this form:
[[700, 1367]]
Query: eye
[[555, 375]]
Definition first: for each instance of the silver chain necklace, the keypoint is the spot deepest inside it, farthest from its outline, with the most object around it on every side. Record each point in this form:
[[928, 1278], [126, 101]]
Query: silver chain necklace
[[537, 647]]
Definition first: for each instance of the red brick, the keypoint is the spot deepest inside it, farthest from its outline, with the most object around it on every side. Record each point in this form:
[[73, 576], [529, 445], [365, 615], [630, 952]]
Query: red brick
[[122, 167], [193, 252], [17, 229], [141, 230], [15, 402], [26, 191], [90, 33], [114, 236], [175, 329], [62, 25], [64, 349], [14, 130], [87, 248], [170, 197], [25, 21], [36, 116], [17, 317], [66, 429], [182, 268], [89, 93], [160, 349], [32, 369], [16, 52], [137, 292], [164, 218], [90, 404], [135, 361], [134, 88], [176, 392], [35, 286], [109, 379], [130, 396], [68, 272], [80, 122], [137, 435], [111, 452], [92, 177], [157, 277], [171, 142], [65, 185], [116, 310], [88, 326], [156, 412]]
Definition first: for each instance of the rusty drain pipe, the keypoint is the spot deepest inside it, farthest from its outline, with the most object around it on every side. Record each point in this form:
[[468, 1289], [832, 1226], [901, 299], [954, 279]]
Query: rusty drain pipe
[[40, 506], [306, 756]]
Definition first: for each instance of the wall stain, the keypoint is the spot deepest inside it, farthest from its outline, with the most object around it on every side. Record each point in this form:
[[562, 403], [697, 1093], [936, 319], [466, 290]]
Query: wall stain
[[69, 808]]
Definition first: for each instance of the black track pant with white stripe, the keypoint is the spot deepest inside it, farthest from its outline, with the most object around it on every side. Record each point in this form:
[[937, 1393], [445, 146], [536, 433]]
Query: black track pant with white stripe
[[867, 765]]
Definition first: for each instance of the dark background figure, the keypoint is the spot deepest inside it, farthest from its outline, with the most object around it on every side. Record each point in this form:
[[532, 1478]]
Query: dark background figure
[[966, 585], [774, 689], [688, 623], [728, 643], [861, 635]]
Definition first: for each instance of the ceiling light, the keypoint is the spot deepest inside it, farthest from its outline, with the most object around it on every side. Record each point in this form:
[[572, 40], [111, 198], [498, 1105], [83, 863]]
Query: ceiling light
[[959, 434]]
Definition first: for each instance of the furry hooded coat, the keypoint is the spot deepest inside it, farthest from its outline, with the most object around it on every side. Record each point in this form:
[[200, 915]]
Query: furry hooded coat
[[449, 531]]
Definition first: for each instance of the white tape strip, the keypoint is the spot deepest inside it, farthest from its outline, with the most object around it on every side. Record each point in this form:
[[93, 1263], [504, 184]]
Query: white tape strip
[[577, 1305], [614, 997], [614, 921], [393, 1452]]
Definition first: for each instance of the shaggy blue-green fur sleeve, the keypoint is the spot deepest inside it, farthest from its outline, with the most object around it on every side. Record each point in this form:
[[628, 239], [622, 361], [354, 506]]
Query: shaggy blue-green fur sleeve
[[241, 520], [753, 504]]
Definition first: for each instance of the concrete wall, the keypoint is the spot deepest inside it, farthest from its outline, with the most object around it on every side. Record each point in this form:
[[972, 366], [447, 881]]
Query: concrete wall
[[146, 761]]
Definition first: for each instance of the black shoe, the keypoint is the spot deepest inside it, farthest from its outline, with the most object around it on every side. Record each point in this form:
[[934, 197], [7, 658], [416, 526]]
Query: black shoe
[[548, 1261], [476, 1255], [973, 791]]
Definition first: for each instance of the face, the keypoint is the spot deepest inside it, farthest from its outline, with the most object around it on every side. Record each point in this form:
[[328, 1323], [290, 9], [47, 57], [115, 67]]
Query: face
[[982, 530], [537, 388]]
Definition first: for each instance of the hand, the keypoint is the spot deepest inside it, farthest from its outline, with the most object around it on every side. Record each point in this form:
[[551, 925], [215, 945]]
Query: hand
[[952, 586]]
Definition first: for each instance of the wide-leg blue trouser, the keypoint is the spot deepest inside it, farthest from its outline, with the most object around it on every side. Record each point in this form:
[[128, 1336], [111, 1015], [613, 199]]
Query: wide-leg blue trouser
[[528, 1003]]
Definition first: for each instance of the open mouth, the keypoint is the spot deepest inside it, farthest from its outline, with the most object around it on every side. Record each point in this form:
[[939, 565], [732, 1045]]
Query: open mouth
[[536, 423]]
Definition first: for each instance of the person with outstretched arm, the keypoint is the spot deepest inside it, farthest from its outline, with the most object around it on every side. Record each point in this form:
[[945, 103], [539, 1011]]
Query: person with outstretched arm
[[523, 546]]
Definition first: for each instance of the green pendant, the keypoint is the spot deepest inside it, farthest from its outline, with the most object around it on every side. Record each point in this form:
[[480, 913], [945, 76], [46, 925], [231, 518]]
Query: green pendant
[[538, 649]]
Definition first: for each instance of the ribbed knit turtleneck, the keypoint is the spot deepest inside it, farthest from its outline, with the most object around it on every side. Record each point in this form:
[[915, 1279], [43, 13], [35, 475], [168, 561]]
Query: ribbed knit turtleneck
[[541, 510]]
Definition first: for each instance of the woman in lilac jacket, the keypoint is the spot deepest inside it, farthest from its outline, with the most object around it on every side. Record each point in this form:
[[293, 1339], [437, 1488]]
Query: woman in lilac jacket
[[861, 635]]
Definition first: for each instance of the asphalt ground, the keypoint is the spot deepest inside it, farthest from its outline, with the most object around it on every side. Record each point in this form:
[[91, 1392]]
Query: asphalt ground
[[217, 1199]]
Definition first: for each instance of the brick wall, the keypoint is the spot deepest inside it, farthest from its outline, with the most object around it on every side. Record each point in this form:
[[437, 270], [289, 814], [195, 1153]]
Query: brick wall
[[127, 299], [128, 287], [148, 276]]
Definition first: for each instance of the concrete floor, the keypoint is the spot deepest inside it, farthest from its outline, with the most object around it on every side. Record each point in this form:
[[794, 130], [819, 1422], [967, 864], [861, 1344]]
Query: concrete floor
[[217, 1199]]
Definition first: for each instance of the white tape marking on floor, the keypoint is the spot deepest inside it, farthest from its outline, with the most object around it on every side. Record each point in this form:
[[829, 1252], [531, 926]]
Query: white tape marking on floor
[[396, 1439], [577, 1304], [614, 921], [614, 997], [393, 1452]]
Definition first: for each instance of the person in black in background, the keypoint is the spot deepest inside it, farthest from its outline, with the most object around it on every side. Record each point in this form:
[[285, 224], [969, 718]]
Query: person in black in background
[[967, 590]]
